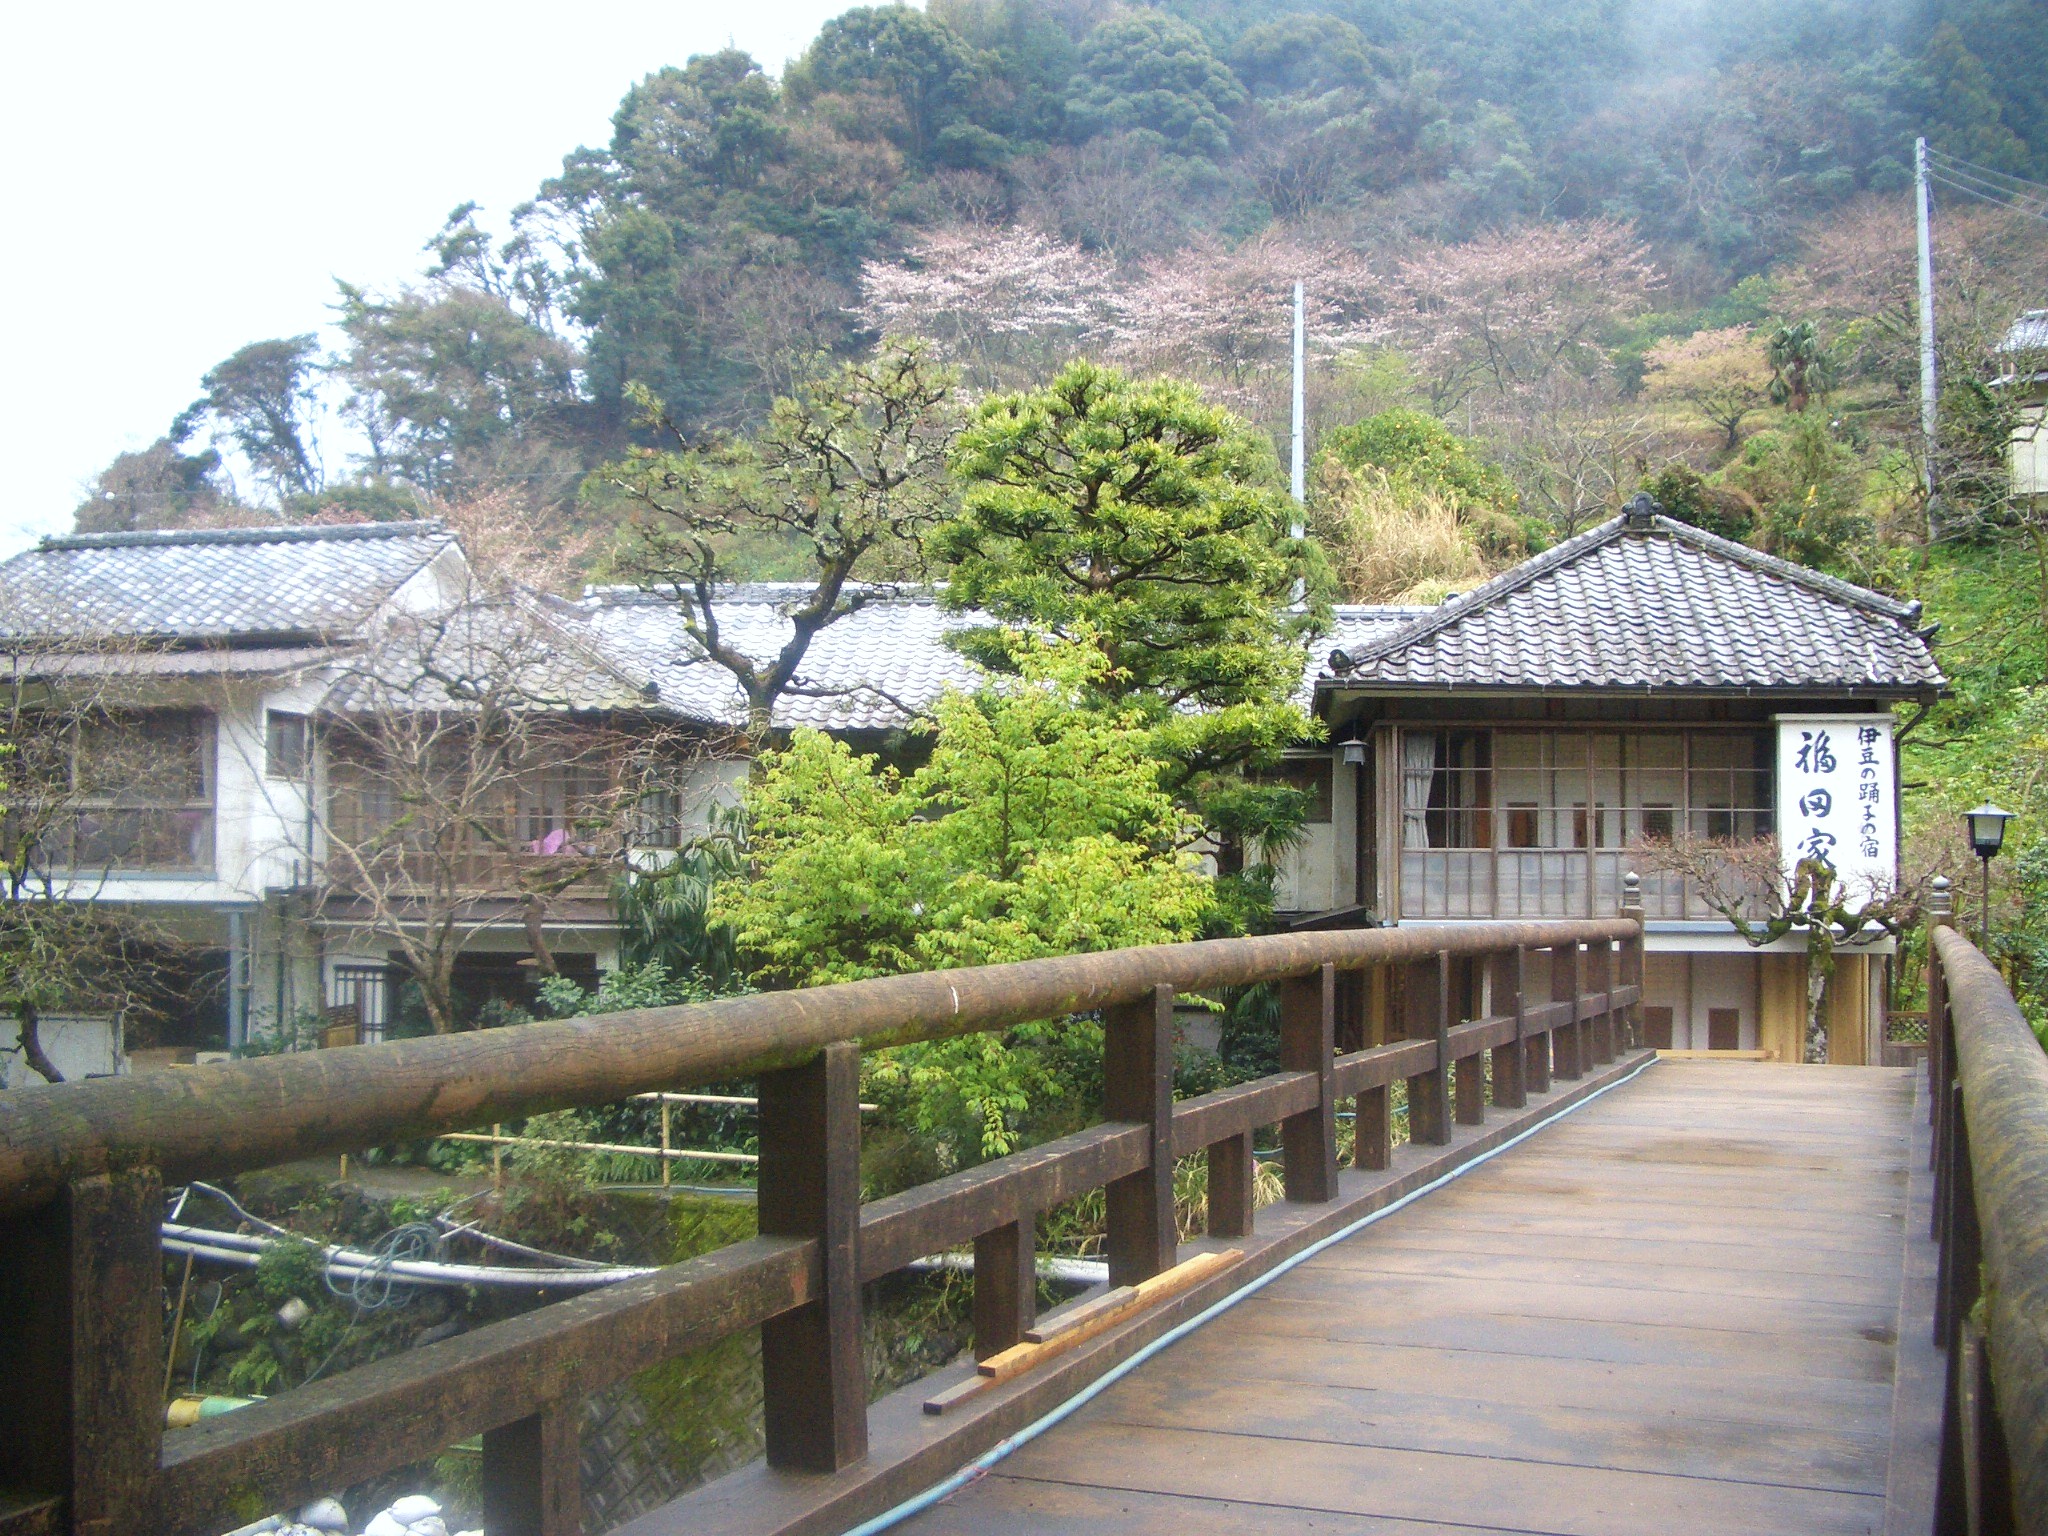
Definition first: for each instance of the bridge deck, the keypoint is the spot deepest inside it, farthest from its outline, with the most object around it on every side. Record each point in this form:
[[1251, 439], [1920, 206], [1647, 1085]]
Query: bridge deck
[[1673, 1311]]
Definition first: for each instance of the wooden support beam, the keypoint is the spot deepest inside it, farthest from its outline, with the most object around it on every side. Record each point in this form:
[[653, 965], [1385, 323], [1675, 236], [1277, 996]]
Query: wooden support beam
[[1567, 1041], [1005, 1287], [1536, 1067], [1510, 1061], [1468, 1077], [1232, 1175], [1600, 980], [1138, 1087], [533, 1474], [1424, 1005], [1308, 1041], [814, 1380], [81, 1324]]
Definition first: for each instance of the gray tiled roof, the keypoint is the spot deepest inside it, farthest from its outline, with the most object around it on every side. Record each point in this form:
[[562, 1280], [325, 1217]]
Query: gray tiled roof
[[871, 670], [2029, 333], [217, 585], [521, 650], [1662, 605]]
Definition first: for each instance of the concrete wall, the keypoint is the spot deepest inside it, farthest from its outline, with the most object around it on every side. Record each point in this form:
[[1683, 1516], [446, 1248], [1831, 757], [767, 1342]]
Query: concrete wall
[[78, 1046]]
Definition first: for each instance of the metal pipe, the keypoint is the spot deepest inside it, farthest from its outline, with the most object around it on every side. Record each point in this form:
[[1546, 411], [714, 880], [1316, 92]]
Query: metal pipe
[[265, 1110]]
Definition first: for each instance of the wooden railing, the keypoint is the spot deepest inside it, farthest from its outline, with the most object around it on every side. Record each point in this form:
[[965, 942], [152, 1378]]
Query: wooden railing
[[83, 1169], [1989, 1083]]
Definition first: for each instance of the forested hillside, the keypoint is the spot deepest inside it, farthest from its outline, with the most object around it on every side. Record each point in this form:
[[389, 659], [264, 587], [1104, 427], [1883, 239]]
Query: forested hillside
[[722, 234]]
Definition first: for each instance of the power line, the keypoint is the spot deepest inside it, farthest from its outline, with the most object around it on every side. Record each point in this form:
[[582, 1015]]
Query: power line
[[2012, 205], [1987, 173], [2001, 189]]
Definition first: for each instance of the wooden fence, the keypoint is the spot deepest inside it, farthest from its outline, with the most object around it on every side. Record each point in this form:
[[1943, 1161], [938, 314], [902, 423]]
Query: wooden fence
[[83, 1169], [1989, 1080]]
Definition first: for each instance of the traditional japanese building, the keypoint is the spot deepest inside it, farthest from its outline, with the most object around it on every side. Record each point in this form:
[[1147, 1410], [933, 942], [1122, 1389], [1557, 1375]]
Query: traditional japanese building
[[1515, 751]]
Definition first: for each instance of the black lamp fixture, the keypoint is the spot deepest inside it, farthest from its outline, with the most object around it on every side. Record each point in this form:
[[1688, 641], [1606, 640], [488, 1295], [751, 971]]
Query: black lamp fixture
[[1987, 836], [1352, 748]]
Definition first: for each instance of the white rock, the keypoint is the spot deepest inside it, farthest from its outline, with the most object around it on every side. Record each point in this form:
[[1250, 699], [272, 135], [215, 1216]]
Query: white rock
[[384, 1525], [432, 1525], [414, 1506], [325, 1515]]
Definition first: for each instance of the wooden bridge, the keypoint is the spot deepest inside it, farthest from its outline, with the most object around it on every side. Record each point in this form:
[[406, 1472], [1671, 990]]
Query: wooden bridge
[[1590, 1291]]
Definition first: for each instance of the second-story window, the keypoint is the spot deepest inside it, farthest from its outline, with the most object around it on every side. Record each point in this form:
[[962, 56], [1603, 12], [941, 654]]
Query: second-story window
[[287, 744], [142, 794]]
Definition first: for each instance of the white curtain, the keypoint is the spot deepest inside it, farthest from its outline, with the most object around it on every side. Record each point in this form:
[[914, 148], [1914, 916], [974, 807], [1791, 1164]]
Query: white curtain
[[1418, 772]]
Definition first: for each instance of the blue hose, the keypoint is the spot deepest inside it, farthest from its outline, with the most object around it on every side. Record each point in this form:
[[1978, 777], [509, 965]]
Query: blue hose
[[918, 1503]]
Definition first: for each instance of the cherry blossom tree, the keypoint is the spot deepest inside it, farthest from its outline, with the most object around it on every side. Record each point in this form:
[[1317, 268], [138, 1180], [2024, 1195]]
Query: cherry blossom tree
[[1001, 304], [1210, 310], [1504, 313], [1721, 374]]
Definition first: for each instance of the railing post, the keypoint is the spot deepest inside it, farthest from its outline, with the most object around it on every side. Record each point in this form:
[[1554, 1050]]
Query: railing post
[[814, 1380], [1536, 1072], [1568, 1039], [1308, 1043], [1504, 1000], [1955, 1292], [1005, 1286], [533, 1474], [1600, 979], [1138, 1087], [1468, 1073], [1424, 1002], [1941, 909], [81, 1324], [1232, 1186], [1632, 960]]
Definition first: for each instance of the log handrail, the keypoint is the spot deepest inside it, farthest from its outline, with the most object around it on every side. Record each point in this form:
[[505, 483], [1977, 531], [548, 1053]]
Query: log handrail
[[1989, 1089], [83, 1166], [253, 1113]]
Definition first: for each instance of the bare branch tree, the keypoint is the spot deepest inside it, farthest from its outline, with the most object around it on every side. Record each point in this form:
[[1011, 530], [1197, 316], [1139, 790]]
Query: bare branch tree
[[1747, 883], [90, 786], [851, 470], [483, 763]]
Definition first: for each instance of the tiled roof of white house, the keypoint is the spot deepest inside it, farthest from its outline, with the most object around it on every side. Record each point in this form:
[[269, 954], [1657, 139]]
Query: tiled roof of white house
[[214, 586], [1646, 602], [873, 669], [519, 651], [2029, 333]]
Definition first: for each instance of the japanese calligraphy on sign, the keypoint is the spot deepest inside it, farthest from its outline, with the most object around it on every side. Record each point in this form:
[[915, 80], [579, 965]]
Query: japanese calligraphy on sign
[[1835, 790]]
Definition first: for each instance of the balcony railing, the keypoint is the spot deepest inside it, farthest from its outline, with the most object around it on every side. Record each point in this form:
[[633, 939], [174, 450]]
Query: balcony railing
[[1535, 883], [127, 839]]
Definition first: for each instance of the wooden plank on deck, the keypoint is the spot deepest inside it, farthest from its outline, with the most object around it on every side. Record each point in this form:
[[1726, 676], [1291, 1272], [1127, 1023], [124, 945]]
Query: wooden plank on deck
[[1673, 1311]]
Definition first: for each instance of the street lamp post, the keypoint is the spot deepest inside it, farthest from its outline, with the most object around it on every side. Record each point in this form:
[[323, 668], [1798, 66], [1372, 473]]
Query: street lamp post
[[1987, 836]]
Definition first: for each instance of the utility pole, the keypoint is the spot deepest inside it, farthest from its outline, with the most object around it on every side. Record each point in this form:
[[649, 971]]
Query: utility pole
[[1923, 209], [1300, 461]]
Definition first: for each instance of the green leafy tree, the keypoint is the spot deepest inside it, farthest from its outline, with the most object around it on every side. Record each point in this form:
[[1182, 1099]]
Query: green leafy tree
[[1137, 516], [1038, 826], [261, 399], [1416, 448], [465, 375], [1149, 73], [913, 63], [154, 487]]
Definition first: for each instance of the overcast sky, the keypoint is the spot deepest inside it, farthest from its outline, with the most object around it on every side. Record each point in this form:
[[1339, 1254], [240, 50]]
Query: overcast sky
[[184, 179]]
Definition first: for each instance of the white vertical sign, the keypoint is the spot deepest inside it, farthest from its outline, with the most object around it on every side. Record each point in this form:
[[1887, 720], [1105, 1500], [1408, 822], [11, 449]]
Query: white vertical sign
[[1835, 798]]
